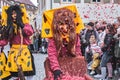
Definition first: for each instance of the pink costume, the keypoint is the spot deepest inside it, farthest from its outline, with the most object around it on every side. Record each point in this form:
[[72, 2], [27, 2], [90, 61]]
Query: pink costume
[[52, 53], [16, 43], [54, 63], [16, 40]]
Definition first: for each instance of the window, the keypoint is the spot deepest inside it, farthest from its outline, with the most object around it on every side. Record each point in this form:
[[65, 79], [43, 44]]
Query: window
[[56, 1], [106, 1], [66, 1], [117, 1], [96, 0], [77, 1], [69, 0], [87, 1]]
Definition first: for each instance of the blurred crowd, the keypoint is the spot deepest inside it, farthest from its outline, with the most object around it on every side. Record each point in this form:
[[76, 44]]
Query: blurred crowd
[[100, 44], [38, 45]]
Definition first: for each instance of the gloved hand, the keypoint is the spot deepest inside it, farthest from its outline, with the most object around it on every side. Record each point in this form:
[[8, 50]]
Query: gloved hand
[[56, 74]]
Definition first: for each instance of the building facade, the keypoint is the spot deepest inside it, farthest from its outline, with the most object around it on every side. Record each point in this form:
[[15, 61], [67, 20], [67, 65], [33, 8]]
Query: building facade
[[30, 7], [41, 7], [89, 10]]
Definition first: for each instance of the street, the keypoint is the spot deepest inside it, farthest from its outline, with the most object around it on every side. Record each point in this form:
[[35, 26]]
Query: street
[[39, 64]]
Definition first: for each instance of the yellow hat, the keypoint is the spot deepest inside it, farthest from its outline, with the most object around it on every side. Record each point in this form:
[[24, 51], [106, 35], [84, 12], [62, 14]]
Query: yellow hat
[[48, 17], [24, 17], [4, 15]]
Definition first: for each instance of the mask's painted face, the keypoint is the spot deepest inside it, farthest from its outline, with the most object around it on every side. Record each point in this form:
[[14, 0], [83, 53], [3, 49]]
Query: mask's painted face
[[64, 29], [63, 22], [14, 16]]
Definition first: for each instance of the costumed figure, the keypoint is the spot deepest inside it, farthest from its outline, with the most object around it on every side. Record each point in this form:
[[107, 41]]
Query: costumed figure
[[65, 62], [4, 75], [18, 30]]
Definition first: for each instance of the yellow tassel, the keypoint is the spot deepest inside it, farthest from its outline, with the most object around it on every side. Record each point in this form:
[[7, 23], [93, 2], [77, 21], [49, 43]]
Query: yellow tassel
[[4, 15], [25, 16], [66, 37], [15, 28]]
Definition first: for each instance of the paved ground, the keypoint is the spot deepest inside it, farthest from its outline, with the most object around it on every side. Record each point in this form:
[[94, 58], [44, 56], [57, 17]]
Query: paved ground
[[39, 64], [39, 60]]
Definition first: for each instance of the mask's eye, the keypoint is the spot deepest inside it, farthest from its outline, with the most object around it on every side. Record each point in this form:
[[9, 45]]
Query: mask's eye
[[62, 28], [60, 23]]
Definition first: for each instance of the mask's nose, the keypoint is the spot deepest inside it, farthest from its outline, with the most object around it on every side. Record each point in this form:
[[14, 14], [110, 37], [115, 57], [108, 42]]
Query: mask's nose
[[65, 28]]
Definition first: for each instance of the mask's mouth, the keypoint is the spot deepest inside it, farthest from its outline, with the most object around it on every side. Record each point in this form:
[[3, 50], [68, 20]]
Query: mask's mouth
[[14, 19], [64, 31]]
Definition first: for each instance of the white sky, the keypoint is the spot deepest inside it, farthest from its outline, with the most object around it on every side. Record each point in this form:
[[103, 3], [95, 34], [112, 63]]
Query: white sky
[[34, 2]]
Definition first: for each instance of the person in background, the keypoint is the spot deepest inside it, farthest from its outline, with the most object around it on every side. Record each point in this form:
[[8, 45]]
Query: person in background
[[44, 45], [90, 29], [39, 40], [95, 52], [108, 53], [36, 39], [117, 50]]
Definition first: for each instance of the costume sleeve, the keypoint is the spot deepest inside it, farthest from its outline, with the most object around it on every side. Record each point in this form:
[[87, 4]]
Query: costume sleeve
[[78, 45], [3, 42], [52, 55], [28, 29]]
